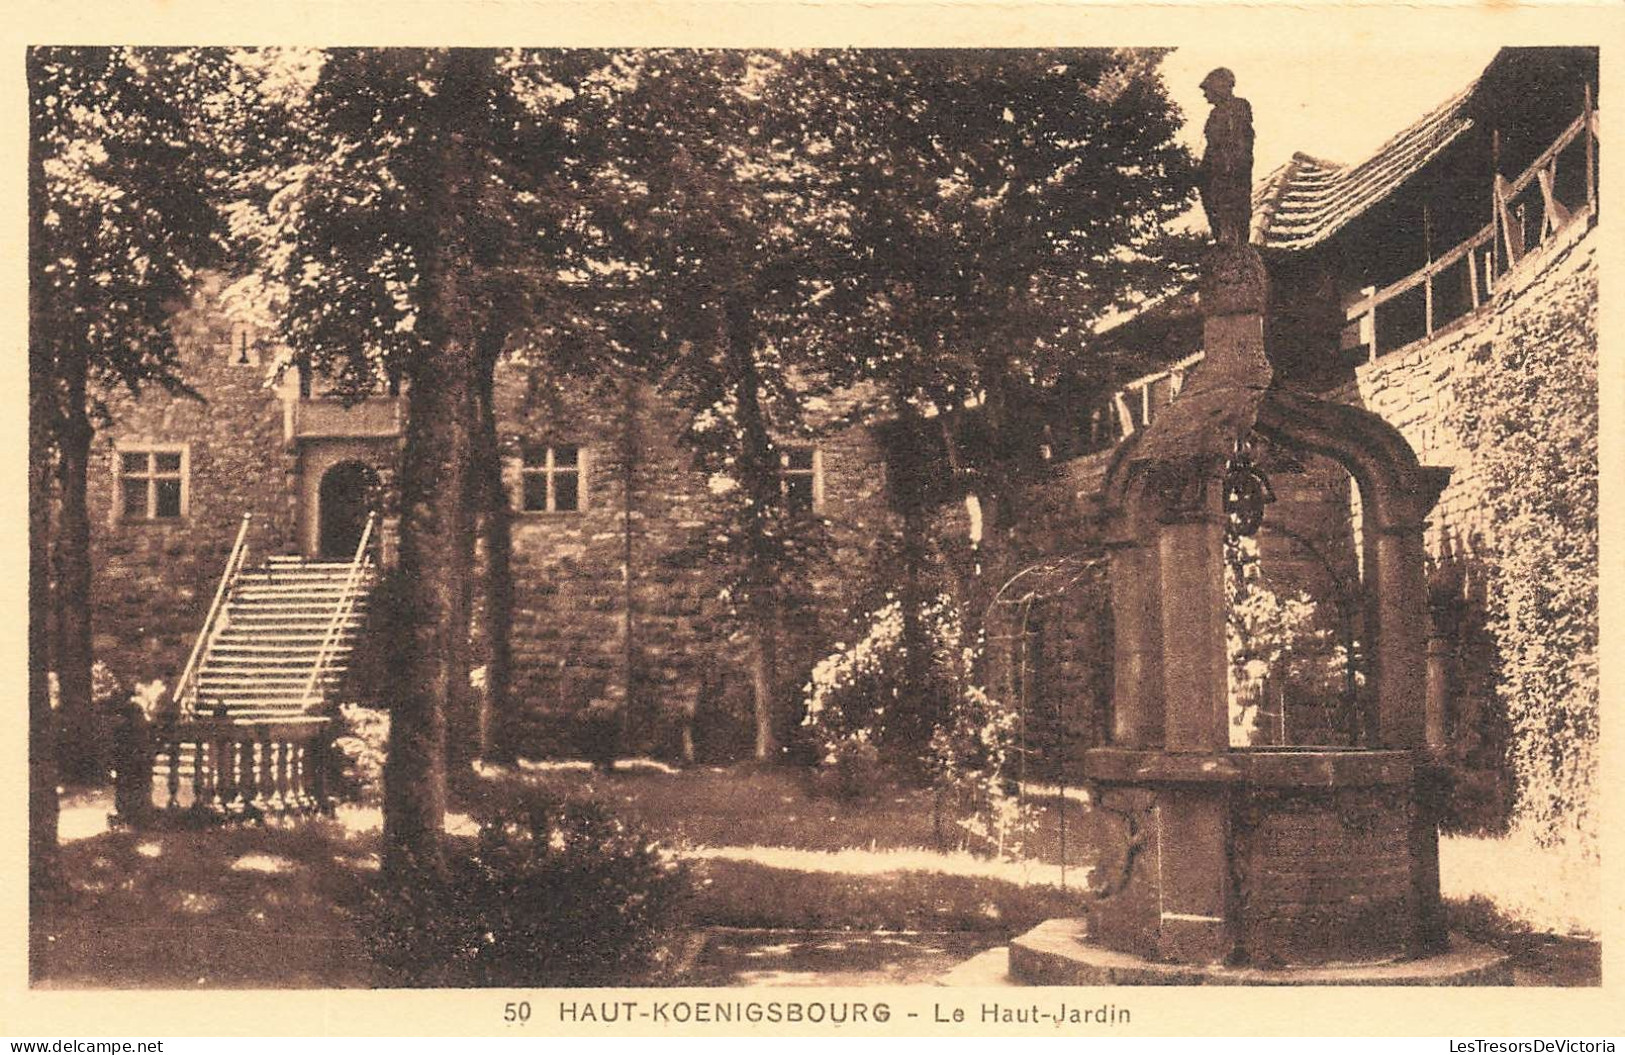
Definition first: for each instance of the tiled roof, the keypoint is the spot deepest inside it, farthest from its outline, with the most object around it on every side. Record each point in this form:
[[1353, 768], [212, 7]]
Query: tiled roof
[[1307, 200]]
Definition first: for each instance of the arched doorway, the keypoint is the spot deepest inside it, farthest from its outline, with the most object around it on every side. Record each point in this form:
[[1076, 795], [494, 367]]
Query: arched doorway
[[347, 494]]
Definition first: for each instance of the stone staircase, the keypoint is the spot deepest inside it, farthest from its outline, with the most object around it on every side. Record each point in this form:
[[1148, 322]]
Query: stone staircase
[[275, 619]]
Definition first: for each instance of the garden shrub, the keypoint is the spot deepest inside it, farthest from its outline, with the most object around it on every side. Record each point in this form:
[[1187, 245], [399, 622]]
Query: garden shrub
[[855, 691], [972, 762], [546, 894], [851, 769], [1528, 411], [360, 747]]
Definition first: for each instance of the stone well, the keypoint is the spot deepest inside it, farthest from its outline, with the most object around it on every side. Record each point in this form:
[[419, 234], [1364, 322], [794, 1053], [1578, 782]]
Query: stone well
[[1275, 865]]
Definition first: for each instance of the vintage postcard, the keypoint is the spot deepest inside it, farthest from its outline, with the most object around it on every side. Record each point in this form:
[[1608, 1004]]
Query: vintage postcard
[[889, 520]]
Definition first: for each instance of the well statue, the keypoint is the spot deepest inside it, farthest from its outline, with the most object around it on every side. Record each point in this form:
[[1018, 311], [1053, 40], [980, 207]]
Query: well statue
[[1227, 161]]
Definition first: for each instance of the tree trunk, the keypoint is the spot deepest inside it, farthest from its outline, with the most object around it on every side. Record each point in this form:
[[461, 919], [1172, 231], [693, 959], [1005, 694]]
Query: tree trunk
[[43, 876], [499, 740], [633, 706], [917, 719], [436, 533], [758, 464], [764, 679], [81, 752], [464, 732], [913, 722], [429, 683]]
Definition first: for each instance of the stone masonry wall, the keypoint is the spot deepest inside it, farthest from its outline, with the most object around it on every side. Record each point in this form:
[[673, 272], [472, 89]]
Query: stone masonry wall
[[1550, 298], [153, 580], [681, 668], [656, 654]]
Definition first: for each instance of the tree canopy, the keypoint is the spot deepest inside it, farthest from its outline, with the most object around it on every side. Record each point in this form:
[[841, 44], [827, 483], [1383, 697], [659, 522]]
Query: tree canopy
[[125, 200], [746, 228]]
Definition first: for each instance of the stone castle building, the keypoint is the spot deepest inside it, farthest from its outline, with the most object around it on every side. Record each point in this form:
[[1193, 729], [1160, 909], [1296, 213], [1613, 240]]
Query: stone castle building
[[1468, 230], [614, 600]]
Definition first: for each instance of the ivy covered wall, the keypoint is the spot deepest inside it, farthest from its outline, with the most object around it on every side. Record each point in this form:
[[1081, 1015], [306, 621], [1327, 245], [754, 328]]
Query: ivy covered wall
[[1508, 399]]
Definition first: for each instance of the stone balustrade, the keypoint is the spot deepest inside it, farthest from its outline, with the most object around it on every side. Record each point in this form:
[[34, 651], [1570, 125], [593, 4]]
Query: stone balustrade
[[220, 768]]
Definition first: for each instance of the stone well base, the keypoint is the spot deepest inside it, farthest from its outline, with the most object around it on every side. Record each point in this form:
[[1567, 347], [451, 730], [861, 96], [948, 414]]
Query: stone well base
[[1057, 952]]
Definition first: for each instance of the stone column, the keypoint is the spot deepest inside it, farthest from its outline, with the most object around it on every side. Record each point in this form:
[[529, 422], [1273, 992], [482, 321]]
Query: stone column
[[1398, 626], [1399, 633], [1194, 661], [1193, 864], [1438, 695], [1137, 694]]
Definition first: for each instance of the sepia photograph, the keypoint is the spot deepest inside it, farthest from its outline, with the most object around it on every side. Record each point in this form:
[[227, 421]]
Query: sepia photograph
[[782, 523]]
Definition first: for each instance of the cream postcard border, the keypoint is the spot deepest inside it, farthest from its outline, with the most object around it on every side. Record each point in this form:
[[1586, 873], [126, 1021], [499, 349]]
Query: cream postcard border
[[1299, 30]]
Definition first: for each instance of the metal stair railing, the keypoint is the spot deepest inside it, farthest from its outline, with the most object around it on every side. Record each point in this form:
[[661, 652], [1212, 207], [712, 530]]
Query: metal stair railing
[[341, 613], [185, 696]]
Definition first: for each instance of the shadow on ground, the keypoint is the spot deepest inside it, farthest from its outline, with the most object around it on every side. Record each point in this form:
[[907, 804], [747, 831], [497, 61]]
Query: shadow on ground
[[253, 907], [779, 957], [221, 908], [1537, 959]]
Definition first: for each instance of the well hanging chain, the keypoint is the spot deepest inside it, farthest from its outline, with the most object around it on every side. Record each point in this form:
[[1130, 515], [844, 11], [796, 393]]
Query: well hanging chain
[[1246, 492]]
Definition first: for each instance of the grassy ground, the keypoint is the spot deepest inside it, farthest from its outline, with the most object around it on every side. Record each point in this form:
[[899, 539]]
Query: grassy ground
[[775, 807], [226, 908], [251, 906], [768, 853], [273, 907]]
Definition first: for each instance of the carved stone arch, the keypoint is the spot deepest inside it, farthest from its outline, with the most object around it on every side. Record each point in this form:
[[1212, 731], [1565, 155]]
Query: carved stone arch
[[1396, 495], [1118, 495], [1364, 815], [1396, 491]]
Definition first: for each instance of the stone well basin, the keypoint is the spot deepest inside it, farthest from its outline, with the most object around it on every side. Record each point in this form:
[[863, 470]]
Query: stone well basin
[[1327, 852]]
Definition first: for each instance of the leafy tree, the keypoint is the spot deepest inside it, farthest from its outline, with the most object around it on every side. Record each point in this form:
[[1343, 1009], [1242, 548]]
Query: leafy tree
[[998, 206], [704, 219], [120, 219], [949, 224], [1002, 203], [395, 225]]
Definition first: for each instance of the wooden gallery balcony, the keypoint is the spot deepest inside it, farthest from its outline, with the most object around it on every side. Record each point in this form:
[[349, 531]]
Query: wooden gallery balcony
[[1526, 213]]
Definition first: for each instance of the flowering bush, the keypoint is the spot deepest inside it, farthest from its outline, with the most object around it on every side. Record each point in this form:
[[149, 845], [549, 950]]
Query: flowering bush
[[152, 697], [972, 759], [105, 688], [856, 692], [851, 768], [1277, 643], [360, 749], [850, 689]]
